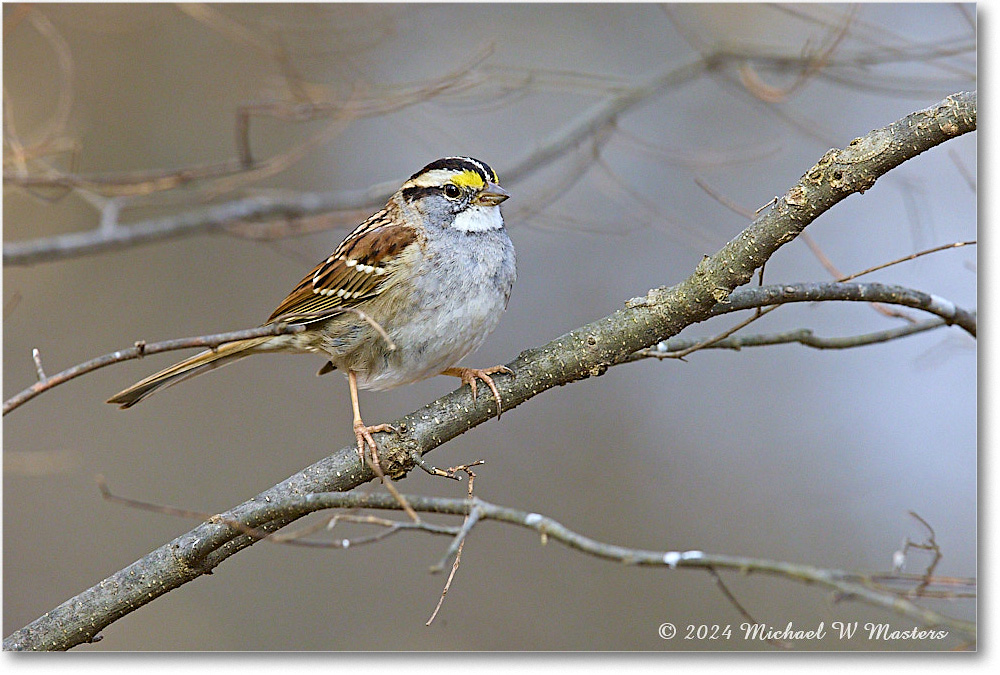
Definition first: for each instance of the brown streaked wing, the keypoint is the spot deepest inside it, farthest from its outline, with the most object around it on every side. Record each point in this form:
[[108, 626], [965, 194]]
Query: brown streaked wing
[[334, 284]]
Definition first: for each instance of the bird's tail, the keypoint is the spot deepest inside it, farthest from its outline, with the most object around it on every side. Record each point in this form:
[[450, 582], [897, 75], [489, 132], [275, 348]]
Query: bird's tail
[[196, 365]]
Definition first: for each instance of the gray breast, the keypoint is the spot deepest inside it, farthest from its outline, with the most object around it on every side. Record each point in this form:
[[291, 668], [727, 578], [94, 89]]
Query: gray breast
[[460, 290]]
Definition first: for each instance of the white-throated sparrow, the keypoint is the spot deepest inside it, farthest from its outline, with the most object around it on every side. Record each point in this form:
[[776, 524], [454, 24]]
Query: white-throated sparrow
[[405, 296]]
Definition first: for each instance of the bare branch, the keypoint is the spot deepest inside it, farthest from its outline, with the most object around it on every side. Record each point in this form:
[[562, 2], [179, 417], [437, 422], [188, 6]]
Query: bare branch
[[215, 219], [930, 545], [827, 263], [728, 594], [36, 356], [139, 350], [475, 510], [762, 296], [749, 298], [289, 537], [208, 219], [802, 336], [467, 468], [244, 169], [54, 128], [839, 276], [912, 256], [870, 589], [812, 63], [715, 339]]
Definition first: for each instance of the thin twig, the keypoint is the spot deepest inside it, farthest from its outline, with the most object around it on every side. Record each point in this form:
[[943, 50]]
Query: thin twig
[[715, 340], [741, 609], [471, 519], [36, 356], [141, 349], [458, 554], [834, 272], [291, 538], [912, 256], [754, 297], [932, 546], [892, 583], [802, 336]]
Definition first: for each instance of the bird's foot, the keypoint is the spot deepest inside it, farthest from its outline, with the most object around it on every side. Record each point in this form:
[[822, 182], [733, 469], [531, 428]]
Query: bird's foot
[[470, 375], [364, 435]]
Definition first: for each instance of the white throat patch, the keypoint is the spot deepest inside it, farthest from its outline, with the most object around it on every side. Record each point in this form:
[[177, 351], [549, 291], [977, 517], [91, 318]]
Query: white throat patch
[[479, 219]]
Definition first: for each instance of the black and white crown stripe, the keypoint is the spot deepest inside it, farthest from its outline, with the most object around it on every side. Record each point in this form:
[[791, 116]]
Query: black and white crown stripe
[[460, 164]]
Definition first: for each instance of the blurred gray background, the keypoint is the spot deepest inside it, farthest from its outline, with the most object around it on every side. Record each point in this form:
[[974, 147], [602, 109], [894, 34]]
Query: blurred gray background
[[784, 452]]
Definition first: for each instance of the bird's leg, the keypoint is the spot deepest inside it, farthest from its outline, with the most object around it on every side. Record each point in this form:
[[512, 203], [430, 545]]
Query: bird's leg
[[469, 375], [362, 432]]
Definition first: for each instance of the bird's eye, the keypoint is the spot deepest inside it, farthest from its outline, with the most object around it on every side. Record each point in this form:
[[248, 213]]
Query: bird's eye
[[452, 191]]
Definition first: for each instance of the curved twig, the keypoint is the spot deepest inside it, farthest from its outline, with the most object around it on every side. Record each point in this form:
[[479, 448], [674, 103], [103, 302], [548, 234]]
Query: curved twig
[[803, 336], [763, 296]]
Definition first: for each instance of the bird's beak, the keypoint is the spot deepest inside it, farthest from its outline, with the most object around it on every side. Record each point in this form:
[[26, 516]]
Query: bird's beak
[[491, 195]]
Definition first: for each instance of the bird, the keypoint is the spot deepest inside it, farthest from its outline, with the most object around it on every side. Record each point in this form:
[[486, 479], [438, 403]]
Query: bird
[[406, 295]]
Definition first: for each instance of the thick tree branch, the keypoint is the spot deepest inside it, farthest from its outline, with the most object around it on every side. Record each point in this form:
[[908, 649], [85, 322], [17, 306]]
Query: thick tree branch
[[747, 298], [210, 219], [585, 352]]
